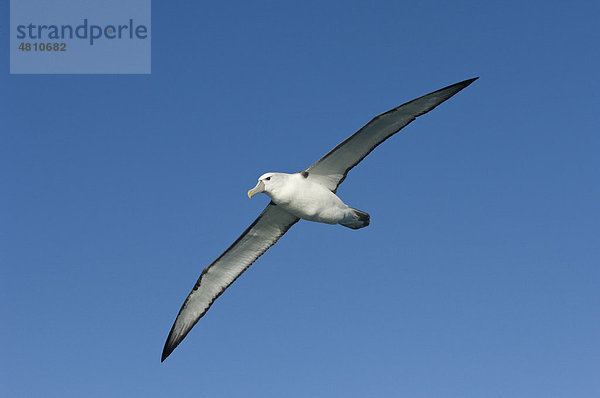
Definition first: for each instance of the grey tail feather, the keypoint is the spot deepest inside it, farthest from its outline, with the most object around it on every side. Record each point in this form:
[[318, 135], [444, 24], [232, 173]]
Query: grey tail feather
[[359, 220]]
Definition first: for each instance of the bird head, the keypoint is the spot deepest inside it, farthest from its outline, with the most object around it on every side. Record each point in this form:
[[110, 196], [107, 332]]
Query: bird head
[[266, 183]]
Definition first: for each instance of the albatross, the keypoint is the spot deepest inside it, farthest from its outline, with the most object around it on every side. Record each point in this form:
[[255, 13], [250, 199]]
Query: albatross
[[309, 195]]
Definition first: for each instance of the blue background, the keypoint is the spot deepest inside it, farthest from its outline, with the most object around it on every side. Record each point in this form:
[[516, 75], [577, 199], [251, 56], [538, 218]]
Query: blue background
[[478, 276]]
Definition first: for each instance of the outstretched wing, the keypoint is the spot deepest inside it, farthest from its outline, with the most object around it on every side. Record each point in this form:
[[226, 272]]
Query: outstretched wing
[[272, 223], [332, 168]]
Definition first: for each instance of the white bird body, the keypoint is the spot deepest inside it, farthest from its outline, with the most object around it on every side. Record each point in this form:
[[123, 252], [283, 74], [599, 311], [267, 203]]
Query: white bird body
[[306, 198]]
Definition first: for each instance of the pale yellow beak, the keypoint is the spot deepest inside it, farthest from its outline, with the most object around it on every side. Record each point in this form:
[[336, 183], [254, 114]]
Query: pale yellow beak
[[260, 187]]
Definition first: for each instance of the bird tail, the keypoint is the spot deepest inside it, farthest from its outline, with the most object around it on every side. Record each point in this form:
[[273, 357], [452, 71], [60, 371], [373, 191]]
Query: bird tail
[[357, 219]]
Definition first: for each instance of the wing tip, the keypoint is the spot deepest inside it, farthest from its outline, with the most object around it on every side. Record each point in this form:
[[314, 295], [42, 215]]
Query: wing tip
[[170, 346], [167, 350], [462, 84]]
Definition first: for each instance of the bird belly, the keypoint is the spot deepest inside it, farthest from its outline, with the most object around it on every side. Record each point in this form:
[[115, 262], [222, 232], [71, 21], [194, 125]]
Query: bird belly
[[314, 202]]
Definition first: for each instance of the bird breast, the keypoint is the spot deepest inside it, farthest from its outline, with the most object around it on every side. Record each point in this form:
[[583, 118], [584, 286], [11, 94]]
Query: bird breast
[[309, 200]]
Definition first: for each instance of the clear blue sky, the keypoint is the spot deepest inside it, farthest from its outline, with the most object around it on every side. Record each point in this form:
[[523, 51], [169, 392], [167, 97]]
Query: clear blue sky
[[478, 276]]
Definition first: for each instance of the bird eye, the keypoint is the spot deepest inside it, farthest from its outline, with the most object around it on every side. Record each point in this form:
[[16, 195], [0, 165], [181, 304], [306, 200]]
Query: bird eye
[[268, 178]]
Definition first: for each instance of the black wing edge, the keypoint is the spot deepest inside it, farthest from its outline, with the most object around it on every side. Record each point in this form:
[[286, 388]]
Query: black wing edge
[[459, 85], [171, 343]]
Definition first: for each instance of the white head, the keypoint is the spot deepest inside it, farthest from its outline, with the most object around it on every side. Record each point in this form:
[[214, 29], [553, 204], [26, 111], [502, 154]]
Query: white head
[[267, 183]]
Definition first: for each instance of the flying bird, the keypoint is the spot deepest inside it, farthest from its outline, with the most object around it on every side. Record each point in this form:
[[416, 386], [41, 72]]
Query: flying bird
[[309, 195]]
